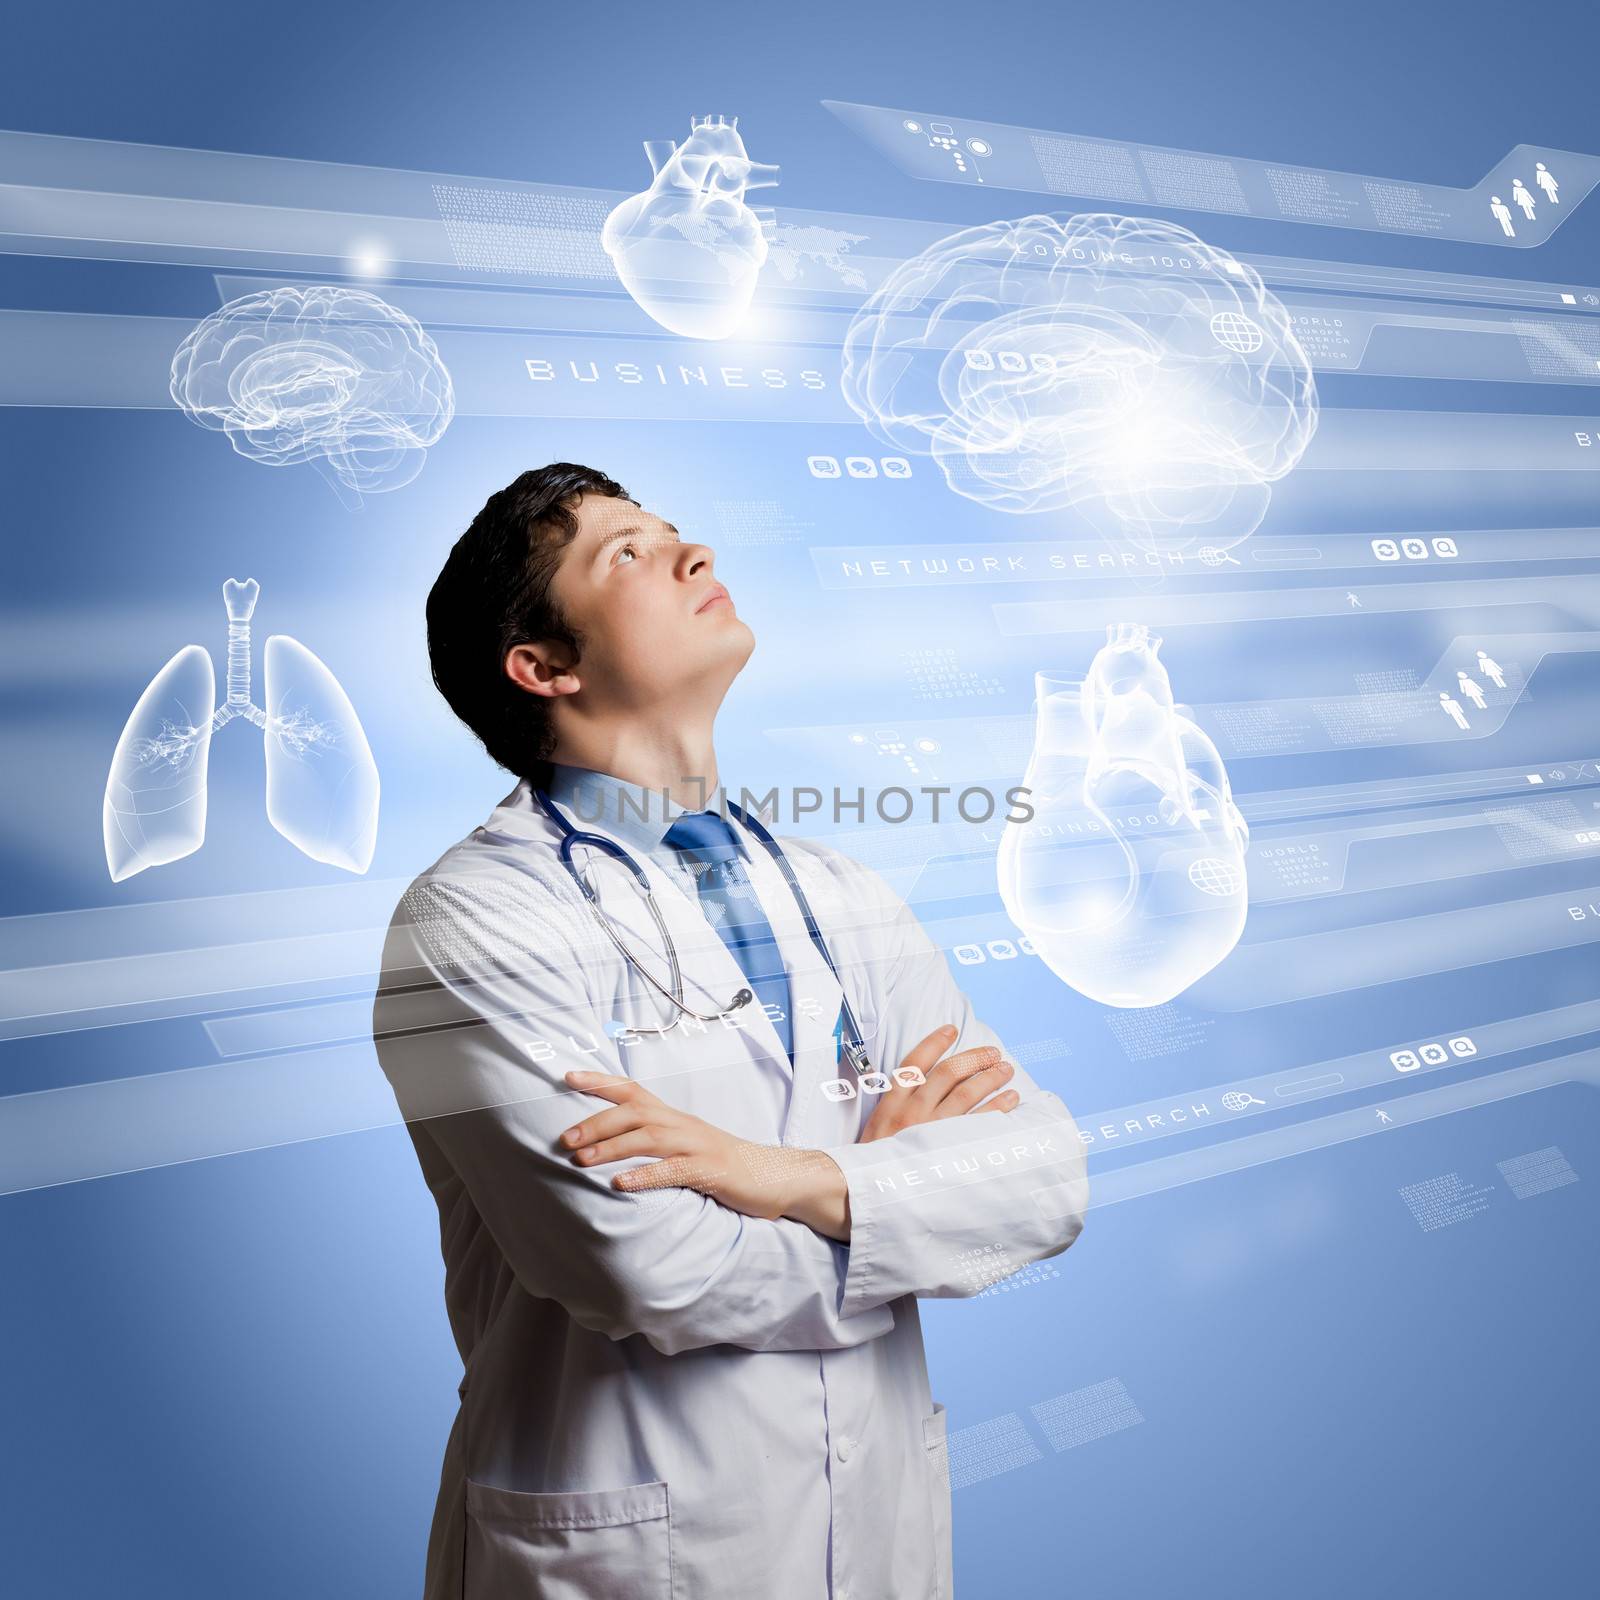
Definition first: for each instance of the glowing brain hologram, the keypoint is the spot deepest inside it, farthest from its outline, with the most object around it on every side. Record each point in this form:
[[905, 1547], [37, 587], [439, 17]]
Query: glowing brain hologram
[[322, 783], [688, 249], [1118, 365], [1129, 878], [331, 376]]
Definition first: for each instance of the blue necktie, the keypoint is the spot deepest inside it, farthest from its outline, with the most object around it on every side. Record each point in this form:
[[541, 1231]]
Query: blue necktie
[[731, 907]]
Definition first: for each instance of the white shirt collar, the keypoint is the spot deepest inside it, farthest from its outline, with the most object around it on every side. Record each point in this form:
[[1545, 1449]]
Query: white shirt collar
[[637, 816]]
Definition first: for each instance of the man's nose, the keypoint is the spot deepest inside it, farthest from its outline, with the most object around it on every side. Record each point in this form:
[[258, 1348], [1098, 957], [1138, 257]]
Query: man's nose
[[694, 559]]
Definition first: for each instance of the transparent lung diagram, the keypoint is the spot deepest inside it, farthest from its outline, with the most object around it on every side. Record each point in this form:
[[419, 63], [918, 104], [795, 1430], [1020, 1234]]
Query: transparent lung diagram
[[331, 376], [688, 249], [1118, 365], [322, 782], [1130, 876], [155, 802]]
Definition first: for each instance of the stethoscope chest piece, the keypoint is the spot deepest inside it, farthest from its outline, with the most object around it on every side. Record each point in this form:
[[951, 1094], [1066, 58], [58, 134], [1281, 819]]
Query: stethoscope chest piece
[[854, 1046]]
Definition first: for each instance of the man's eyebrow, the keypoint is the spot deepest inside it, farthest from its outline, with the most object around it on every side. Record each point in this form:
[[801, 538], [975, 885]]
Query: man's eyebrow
[[630, 532]]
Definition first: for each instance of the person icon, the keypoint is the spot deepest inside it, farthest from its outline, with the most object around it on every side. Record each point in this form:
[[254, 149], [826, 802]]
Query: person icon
[[1452, 709], [1546, 181], [1502, 215], [1473, 690], [1491, 669], [1354, 599], [1521, 195]]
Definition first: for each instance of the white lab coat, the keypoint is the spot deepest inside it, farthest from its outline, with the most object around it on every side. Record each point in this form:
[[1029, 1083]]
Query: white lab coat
[[662, 1397]]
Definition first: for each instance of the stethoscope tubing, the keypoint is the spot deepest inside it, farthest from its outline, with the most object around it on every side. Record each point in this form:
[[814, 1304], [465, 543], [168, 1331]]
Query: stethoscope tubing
[[854, 1045]]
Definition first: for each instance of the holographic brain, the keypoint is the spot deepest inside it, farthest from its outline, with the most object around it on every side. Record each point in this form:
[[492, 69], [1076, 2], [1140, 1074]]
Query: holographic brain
[[331, 376], [1119, 365]]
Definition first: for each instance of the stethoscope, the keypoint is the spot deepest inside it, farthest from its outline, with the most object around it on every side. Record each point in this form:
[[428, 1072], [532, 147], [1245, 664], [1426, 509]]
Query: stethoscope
[[852, 1044]]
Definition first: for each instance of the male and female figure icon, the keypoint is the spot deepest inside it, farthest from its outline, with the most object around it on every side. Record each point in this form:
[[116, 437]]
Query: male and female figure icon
[[1472, 689], [1523, 196]]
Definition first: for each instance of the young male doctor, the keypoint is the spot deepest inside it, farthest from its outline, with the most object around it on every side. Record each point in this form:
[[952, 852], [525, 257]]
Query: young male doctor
[[681, 1270]]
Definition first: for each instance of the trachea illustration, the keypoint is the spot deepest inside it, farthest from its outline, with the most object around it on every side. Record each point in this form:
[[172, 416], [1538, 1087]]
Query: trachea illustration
[[322, 783], [688, 249], [1130, 877]]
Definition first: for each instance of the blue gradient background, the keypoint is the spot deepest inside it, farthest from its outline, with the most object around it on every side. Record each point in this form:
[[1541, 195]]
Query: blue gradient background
[[235, 1376]]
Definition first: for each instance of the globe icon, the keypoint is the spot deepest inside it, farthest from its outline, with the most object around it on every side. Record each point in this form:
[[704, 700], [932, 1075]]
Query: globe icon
[[1213, 876], [1235, 330]]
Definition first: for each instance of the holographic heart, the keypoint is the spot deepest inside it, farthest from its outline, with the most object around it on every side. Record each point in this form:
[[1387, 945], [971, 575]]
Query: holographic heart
[[1129, 877], [688, 249]]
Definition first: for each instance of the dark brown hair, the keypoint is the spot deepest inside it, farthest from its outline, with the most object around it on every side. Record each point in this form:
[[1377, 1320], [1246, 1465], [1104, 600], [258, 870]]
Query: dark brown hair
[[494, 593]]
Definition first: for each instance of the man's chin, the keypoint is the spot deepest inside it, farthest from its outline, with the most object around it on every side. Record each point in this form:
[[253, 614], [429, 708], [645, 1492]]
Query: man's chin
[[722, 657], [741, 641], [737, 648]]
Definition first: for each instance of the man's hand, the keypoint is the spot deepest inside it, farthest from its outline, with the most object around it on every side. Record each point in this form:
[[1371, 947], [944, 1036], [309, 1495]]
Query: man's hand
[[764, 1180], [759, 1180], [951, 1088]]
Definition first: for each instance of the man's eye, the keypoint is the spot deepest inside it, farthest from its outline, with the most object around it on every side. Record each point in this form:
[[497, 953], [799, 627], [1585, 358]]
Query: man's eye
[[627, 550]]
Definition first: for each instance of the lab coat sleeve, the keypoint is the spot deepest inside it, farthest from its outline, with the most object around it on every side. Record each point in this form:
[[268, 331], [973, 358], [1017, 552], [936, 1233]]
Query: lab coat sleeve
[[455, 1012], [945, 1208]]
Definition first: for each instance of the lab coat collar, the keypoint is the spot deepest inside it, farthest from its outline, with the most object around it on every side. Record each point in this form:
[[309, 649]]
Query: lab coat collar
[[710, 972]]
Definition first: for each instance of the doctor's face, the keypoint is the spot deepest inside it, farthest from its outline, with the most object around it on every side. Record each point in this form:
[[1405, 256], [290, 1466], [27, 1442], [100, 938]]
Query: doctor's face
[[656, 623]]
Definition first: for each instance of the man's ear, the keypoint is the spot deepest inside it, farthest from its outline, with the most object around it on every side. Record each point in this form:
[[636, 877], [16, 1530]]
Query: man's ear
[[543, 667]]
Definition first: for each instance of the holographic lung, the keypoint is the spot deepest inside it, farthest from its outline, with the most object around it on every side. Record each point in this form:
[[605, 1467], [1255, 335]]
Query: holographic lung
[[1119, 365], [688, 249], [155, 802], [327, 375], [322, 783], [1130, 877]]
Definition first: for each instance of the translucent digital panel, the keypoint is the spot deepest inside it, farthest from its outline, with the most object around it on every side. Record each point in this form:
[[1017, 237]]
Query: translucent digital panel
[[142, 202], [1520, 201]]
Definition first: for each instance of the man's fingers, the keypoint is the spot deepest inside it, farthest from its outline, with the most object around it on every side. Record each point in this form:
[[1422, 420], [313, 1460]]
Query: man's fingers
[[635, 1142], [879, 1125], [975, 1087], [676, 1172], [918, 1063], [603, 1125], [604, 1084], [924, 1055], [969, 1061], [1008, 1101], [954, 1070]]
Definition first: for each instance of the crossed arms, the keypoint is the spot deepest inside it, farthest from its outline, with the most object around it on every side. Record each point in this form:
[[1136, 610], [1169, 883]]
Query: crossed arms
[[707, 1238], [772, 1181]]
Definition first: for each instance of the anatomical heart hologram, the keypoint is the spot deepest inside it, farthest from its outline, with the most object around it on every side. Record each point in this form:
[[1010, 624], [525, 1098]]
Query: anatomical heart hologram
[[322, 783], [688, 249], [1129, 878]]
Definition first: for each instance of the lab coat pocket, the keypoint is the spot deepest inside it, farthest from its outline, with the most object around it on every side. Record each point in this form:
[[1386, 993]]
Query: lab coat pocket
[[615, 1543], [935, 1441]]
